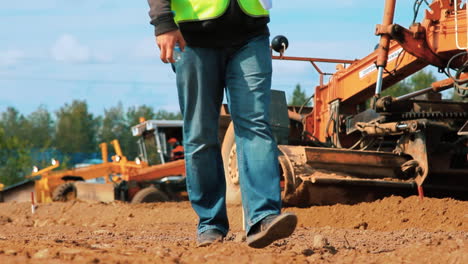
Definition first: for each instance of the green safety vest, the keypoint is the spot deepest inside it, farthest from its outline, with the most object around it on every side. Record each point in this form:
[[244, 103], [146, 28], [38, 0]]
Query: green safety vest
[[197, 10]]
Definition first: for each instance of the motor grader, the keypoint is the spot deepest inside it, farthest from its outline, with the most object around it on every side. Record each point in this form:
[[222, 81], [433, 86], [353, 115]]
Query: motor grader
[[52, 185], [151, 177], [341, 150]]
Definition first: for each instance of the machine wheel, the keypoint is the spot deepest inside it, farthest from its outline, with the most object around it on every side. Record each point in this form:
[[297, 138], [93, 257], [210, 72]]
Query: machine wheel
[[149, 195], [233, 193], [64, 192]]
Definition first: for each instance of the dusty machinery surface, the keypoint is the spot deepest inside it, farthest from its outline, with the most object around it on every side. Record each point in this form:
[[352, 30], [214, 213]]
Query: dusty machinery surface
[[414, 142], [151, 177]]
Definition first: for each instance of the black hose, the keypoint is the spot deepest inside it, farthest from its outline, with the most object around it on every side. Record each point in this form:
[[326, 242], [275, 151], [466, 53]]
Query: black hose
[[460, 90], [416, 7]]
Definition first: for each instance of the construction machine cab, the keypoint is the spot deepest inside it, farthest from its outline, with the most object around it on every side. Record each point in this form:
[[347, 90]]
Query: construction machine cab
[[156, 140]]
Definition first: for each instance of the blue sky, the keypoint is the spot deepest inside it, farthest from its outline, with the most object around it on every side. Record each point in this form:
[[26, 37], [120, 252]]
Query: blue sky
[[103, 51]]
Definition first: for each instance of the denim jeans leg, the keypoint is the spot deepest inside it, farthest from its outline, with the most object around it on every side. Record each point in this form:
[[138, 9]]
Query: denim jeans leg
[[248, 89], [200, 84]]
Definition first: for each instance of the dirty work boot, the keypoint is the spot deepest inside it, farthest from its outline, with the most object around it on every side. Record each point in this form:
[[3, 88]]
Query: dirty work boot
[[209, 237], [270, 229]]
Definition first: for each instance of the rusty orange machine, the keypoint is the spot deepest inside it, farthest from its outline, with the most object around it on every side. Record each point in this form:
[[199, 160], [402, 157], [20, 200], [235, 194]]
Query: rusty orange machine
[[151, 177], [417, 141]]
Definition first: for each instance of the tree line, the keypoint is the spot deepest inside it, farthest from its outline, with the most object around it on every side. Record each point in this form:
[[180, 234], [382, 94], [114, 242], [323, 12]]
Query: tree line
[[26, 139]]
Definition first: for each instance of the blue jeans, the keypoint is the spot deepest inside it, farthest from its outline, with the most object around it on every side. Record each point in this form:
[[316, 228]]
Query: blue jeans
[[245, 73]]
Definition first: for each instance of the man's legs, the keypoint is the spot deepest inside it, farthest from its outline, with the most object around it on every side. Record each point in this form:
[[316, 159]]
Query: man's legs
[[200, 83], [248, 83]]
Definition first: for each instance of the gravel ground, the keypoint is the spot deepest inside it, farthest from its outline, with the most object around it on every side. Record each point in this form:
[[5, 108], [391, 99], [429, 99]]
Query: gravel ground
[[392, 230]]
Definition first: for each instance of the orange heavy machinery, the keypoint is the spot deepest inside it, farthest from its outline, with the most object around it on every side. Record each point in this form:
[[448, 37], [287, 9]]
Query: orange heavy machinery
[[414, 142], [151, 177], [343, 151]]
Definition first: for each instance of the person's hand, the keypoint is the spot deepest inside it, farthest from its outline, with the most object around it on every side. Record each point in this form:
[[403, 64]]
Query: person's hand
[[166, 43]]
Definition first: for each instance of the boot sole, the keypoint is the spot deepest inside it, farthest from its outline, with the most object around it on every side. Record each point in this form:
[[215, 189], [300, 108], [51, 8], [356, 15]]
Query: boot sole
[[282, 227], [209, 242], [214, 237]]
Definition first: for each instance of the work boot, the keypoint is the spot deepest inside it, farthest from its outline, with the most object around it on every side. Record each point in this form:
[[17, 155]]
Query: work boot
[[270, 229], [209, 237]]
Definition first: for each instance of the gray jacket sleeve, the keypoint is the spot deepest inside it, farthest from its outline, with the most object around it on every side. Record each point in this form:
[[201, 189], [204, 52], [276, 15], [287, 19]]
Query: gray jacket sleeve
[[162, 16]]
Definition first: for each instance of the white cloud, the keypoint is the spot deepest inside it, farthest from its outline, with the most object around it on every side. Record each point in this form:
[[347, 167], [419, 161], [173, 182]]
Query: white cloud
[[10, 57], [67, 49]]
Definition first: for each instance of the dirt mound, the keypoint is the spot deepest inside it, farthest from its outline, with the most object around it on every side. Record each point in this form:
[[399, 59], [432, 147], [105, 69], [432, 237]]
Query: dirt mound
[[392, 230], [392, 213]]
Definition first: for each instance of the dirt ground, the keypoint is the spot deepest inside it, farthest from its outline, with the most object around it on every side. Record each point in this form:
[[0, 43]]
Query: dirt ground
[[392, 230]]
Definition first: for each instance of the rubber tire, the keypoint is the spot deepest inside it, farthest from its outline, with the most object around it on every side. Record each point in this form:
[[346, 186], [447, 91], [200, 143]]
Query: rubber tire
[[64, 192], [149, 195], [233, 192]]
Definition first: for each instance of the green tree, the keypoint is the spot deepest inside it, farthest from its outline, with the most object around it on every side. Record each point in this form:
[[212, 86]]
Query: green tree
[[40, 128], [422, 79], [299, 97], [76, 129], [134, 114], [15, 162], [115, 126], [417, 81], [165, 115], [15, 143], [14, 124], [398, 89]]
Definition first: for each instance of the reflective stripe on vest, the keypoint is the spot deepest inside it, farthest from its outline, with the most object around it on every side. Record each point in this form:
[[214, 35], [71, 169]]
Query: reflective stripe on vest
[[196, 10]]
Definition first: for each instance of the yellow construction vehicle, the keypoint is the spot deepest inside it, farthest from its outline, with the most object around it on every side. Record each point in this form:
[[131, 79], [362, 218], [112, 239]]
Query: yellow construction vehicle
[[151, 177], [164, 178], [61, 185]]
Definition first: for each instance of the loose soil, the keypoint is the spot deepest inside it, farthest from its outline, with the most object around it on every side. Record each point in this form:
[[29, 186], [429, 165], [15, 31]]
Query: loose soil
[[391, 230]]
